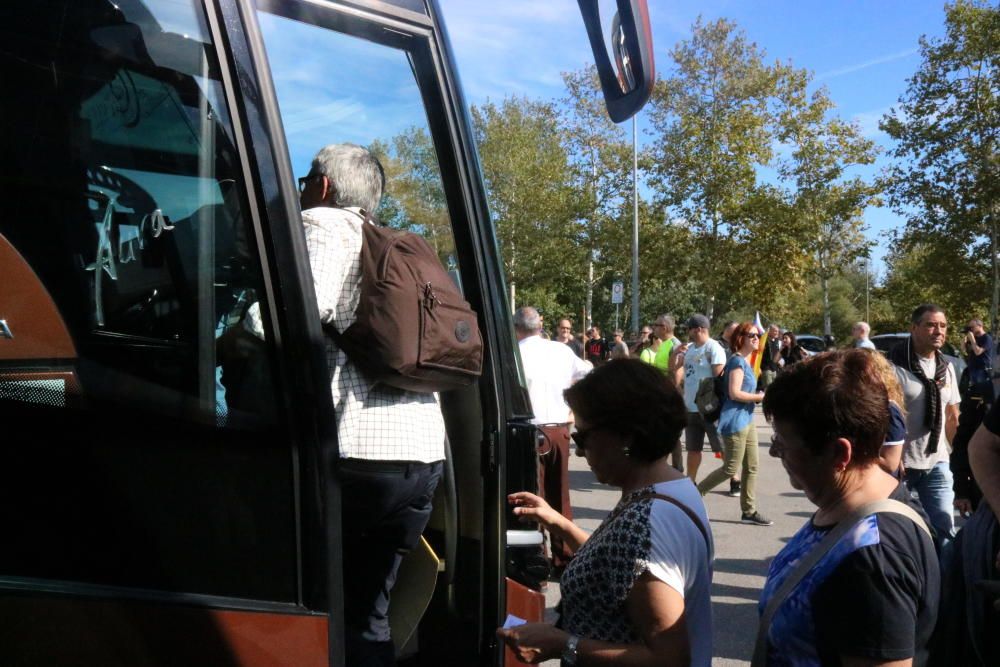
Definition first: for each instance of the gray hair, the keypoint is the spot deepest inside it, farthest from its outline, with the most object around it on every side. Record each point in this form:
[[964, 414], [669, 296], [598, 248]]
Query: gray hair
[[667, 321], [865, 328], [356, 175], [527, 319]]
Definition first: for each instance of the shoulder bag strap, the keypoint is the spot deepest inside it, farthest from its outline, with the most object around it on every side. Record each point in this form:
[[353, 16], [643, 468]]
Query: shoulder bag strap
[[691, 515], [816, 554]]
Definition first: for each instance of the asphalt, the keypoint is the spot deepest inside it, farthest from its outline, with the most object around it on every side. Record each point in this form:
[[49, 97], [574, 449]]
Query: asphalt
[[742, 552]]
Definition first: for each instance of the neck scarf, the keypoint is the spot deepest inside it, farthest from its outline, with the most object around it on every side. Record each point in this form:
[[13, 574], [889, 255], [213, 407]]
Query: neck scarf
[[906, 357]]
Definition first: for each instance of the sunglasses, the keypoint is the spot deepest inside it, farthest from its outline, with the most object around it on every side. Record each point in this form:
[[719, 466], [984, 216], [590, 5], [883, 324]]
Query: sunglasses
[[581, 437], [304, 180], [753, 335]]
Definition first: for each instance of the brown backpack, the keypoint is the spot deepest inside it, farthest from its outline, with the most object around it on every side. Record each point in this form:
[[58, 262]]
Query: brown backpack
[[413, 330]]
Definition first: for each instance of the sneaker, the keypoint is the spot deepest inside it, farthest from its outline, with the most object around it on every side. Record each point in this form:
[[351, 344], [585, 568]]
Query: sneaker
[[718, 455], [757, 519], [734, 487]]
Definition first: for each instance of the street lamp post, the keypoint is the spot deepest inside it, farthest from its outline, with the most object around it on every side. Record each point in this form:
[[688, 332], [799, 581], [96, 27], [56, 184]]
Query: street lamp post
[[635, 229]]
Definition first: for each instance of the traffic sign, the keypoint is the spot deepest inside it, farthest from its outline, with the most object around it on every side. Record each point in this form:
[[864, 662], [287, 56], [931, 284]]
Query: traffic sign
[[617, 291]]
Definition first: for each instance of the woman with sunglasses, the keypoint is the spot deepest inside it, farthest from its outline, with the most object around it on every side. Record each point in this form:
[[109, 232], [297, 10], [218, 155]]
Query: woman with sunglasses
[[637, 591], [858, 584], [739, 434]]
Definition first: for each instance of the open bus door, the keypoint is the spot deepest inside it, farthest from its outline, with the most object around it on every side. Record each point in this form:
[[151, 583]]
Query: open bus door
[[168, 491]]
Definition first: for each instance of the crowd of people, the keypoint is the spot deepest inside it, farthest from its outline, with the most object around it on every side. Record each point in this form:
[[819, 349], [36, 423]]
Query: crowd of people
[[878, 575]]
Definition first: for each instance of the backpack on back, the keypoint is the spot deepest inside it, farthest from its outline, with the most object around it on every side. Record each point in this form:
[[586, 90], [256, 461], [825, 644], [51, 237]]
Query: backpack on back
[[711, 392], [413, 329]]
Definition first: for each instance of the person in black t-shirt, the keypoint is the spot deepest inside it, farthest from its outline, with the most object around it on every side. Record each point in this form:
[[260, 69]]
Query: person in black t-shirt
[[969, 633], [598, 350], [873, 597]]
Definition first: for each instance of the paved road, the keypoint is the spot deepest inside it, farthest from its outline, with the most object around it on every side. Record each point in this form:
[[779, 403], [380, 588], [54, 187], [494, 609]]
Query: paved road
[[742, 552]]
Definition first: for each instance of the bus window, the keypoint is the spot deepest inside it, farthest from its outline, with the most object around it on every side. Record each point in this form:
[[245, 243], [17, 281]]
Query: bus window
[[375, 103], [152, 459]]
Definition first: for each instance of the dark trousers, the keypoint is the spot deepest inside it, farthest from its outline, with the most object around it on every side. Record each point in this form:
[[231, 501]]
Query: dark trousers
[[553, 482], [386, 505]]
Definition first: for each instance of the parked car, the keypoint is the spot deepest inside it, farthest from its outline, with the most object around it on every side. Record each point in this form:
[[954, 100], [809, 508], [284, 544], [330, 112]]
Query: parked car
[[811, 344], [885, 342]]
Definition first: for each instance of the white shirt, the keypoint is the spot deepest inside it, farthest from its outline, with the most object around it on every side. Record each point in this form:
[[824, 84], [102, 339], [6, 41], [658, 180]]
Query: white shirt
[[698, 362], [550, 367], [678, 558], [915, 453], [374, 421]]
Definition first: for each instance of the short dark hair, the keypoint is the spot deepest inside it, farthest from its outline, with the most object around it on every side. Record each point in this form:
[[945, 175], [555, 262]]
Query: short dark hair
[[609, 395], [923, 309], [833, 395]]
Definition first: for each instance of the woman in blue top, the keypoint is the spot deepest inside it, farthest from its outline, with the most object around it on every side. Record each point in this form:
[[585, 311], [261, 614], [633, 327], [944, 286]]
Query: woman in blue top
[[739, 435]]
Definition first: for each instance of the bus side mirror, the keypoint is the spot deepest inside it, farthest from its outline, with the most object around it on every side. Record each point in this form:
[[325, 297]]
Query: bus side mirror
[[628, 85]]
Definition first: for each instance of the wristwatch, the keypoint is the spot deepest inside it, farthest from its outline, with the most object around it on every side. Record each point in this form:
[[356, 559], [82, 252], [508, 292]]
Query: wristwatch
[[569, 654]]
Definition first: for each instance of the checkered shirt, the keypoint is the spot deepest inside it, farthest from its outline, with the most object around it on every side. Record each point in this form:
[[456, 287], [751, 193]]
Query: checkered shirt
[[374, 421]]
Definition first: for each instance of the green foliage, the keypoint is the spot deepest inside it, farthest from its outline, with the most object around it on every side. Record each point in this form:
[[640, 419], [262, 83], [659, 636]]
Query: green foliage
[[527, 173], [946, 179]]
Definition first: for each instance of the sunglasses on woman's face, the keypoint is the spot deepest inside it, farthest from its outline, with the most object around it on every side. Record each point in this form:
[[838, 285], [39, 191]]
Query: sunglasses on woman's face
[[753, 335], [580, 437]]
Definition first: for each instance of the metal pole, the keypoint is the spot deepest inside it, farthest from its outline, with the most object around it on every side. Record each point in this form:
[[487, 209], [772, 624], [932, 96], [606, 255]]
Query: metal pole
[[867, 275], [635, 229]]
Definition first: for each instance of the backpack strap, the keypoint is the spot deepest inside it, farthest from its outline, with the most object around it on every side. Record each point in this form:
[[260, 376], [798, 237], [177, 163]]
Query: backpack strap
[[886, 506]]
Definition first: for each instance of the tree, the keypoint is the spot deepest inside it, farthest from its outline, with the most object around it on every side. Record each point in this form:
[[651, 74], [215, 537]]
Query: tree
[[600, 161], [713, 121], [946, 180], [527, 171], [827, 206], [414, 197]]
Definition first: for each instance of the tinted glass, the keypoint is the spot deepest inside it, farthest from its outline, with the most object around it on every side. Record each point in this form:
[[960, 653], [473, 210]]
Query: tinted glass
[[375, 103], [150, 455]]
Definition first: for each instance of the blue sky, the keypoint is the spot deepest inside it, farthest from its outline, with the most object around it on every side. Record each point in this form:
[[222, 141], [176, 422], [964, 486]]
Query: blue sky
[[862, 52]]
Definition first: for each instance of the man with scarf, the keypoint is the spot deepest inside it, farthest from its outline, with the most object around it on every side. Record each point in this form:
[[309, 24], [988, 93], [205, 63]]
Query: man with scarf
[[930, 390]]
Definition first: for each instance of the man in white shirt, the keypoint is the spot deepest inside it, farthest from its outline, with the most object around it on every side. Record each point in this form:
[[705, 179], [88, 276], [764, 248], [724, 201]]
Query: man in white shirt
[[701, 358], [391, 441], [550, 367], [930, 390], [860, 333]]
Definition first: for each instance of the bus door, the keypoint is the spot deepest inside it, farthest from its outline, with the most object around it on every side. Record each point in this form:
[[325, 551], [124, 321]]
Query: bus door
[[381, 77], [157, 485]]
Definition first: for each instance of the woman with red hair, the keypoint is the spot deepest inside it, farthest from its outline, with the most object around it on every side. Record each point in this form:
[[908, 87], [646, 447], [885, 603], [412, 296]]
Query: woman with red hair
[[739, 435]]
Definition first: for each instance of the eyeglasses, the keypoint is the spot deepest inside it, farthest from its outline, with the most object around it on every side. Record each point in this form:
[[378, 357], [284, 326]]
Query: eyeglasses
[[304, 180], [646, 333], [753, 335], [581, 437]]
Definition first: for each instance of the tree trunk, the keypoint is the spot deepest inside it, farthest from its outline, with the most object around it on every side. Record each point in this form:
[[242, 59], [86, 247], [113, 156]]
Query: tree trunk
[[513, 292], [995, 301]]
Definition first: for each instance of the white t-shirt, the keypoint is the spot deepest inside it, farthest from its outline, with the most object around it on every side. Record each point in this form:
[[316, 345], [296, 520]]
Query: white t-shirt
[[550, 367], [915, 453], [698, 362], [677, 558]]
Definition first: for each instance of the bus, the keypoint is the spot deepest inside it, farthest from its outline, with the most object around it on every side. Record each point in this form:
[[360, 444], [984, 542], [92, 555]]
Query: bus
[[170, 497]]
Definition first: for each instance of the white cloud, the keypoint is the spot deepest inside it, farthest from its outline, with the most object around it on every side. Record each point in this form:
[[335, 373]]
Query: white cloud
[[849, 69]]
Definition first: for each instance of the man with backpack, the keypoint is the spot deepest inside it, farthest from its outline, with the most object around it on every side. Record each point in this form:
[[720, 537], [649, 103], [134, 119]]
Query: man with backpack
[[391, 440], [701, 358]]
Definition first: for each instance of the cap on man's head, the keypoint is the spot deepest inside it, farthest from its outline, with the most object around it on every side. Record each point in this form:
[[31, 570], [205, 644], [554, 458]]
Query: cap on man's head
[[698, 321]]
